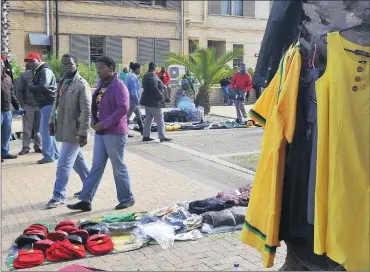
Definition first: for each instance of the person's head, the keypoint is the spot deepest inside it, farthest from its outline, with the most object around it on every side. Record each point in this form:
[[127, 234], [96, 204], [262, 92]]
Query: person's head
[[33, 60], [69, 65], [125, 70], [243, 68], [184, 84], [105, 67], [130, 66], [136, 68], [152, 66], [163, 69]]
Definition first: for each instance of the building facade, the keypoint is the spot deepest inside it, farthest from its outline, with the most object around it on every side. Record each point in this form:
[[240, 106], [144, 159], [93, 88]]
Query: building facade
[[142, 30]]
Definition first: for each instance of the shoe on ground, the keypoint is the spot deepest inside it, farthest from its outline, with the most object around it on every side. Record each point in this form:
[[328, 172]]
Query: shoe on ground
[[38, 150], [77, 194], [52, 204], [166, 140], [24, 151], [10, 157], [42, 161], [225, 104], [80, 206], [125, 205], [147, 139]]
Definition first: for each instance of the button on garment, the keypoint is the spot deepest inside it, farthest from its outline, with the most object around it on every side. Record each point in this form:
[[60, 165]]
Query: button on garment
[[357, 79], [342, 185]]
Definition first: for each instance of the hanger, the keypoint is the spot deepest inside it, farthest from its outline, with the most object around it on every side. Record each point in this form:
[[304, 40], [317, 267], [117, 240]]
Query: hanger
[[365, 26]]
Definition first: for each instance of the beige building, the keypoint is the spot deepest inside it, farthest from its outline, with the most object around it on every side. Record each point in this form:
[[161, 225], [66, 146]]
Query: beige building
[[227, 24], [140, 30]]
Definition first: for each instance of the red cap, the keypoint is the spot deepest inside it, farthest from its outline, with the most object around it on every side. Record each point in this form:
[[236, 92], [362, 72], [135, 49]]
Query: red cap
[[28, 258], [2, 58], [32, 56], [99, 244]]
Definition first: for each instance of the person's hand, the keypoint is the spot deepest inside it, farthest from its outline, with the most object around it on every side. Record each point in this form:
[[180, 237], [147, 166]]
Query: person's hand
[[98, 127], [82, 140], [51, 130]]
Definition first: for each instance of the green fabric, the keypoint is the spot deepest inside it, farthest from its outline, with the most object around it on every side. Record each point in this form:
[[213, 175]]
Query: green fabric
[[125, 217]]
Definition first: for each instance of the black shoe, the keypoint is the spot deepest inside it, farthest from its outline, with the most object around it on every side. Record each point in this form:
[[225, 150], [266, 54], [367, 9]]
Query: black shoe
[[38, 150], [24, 151], [166, 140], [42, 161], [125, 205], [147, 139], [82, 206], [10, 157], [54, 204], [77, 194]]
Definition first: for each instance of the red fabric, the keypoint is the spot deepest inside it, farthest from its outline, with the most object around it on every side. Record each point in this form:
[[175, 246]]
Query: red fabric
[[2, 58], [28, 258], [39, 233], [241, 82], [32, 56], [57, 235], [166, 77], [65, 250], [37, 227], [99, 244], [65, 223], [78, 251], [82, 233], [43, 244], [68, 229]]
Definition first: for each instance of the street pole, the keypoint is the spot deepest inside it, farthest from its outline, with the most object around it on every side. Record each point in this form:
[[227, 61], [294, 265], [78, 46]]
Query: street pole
[[56, 29]]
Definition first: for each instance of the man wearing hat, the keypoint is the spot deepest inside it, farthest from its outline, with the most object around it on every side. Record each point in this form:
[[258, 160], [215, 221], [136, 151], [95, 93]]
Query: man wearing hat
[[241, 83], [32, 116], [43, 88]]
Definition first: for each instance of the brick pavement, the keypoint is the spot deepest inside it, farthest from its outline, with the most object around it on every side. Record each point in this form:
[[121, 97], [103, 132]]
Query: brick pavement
[[26, 187]]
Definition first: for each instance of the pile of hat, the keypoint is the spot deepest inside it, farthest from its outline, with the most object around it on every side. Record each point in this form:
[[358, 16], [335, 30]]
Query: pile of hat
[[68, 241]]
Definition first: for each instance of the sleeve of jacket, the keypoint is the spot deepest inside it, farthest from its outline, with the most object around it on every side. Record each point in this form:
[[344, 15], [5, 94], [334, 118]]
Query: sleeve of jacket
[[248, 83], [14, 99], [20, 88], [85, 107], [122, 102], [45, 78], [232, 84]]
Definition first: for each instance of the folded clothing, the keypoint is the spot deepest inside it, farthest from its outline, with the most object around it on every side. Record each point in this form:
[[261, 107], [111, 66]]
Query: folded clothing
[[229, 217], [28, 258], [238, 196], [65, 250], [67, 226], [209, 204]]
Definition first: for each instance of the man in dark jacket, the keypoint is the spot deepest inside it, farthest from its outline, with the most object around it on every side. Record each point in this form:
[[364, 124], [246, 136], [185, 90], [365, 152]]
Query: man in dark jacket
[[225, 85], [151, 100], [8, 99], [43, 88], [32, 116]]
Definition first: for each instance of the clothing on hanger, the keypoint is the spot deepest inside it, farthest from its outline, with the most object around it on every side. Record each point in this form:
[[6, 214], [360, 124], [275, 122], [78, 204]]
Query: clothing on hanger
[[342, 183]]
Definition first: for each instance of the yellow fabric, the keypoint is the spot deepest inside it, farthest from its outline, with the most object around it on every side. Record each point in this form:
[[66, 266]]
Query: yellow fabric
[[276, 111], [342, 188]]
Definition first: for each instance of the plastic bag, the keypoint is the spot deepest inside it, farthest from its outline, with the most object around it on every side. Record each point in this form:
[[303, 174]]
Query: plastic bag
[[162, 233], [117, 229], [191, 235]]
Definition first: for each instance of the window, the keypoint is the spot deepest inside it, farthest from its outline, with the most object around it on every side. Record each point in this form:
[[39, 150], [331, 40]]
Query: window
[[232, 7], [160, 3], [146, 2], [238, 61], [225, 7], [150, 49], [238, 8], [192, 46], [151, 3], [96, 48]]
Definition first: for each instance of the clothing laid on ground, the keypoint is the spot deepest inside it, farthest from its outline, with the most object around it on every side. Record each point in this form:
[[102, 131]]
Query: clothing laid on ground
[[209, 204], [342, 184], [238, 196], [275, 110]]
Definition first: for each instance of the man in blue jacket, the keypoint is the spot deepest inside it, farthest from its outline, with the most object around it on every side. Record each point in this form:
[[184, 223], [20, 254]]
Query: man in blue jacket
[[133, 85], [43, 87]]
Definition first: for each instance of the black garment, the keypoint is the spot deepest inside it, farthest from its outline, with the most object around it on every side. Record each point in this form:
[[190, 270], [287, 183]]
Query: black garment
[[281, 30], [209, 204], [43, 86], [293, 222], [8, 69], [225, 82], [8, 97], [153, 91]]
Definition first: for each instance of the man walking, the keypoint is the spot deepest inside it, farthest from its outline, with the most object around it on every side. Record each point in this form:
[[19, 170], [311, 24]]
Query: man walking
[[241, 83], [225, 85], [70, 122], [32, 116], [43, 88], [133, 85]]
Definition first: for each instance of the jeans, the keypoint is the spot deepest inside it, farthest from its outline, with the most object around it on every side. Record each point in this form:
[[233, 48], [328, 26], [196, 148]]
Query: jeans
[[226, 90], [70, 157], [112, 147], [49, 144], [6, 131]]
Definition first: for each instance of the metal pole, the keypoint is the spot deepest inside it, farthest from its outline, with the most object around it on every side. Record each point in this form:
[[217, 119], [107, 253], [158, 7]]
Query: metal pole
[[47, 19], [56, 29]]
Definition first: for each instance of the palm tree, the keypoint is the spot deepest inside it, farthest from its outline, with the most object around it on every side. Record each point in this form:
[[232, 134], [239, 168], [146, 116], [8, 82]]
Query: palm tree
[[4, 28], [207, 69]]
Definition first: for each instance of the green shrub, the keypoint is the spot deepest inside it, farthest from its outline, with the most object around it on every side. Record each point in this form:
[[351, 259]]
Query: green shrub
[[16, 69]]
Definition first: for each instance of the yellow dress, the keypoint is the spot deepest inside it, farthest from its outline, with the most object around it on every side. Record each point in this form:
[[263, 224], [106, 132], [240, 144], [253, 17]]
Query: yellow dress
[[342, 186], [275, 110]]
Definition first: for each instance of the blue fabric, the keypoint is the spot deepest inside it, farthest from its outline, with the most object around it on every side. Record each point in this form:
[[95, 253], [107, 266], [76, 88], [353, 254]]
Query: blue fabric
[[6, 131], [226, 90], [133, 85], [112, 147], [49, 144], [70, 157]]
